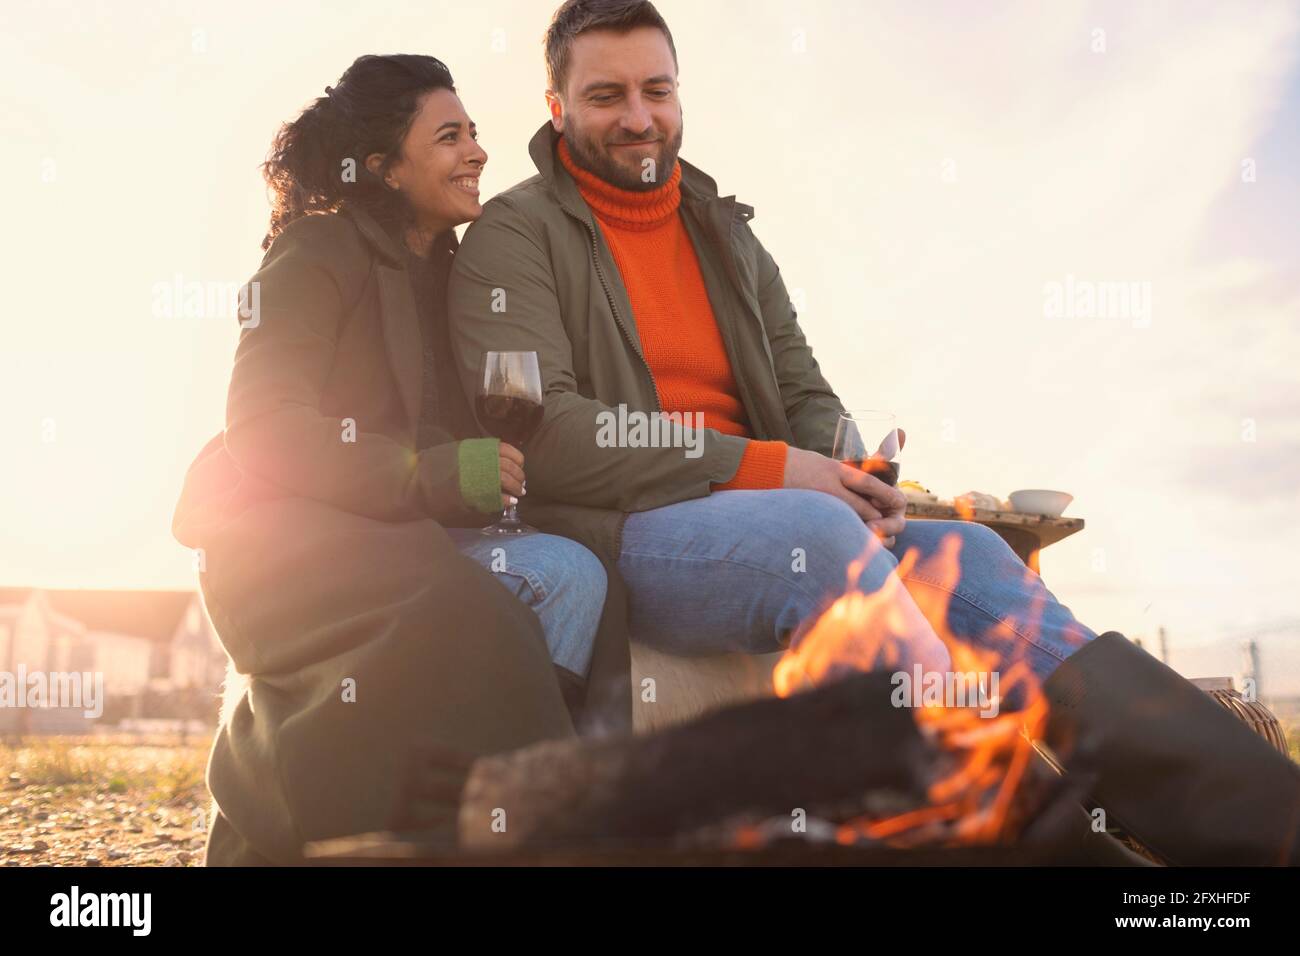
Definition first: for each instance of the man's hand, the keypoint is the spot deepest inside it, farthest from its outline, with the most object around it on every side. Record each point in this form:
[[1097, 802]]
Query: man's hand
[[511, 464], [881, 506]]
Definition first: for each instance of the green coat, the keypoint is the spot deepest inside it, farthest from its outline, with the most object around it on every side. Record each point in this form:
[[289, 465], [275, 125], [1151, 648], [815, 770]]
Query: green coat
[[381, 660], [535, 273]]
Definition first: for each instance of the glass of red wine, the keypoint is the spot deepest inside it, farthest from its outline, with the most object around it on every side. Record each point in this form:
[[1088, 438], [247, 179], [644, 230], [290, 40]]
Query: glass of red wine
[[871, 441], [509, 406]]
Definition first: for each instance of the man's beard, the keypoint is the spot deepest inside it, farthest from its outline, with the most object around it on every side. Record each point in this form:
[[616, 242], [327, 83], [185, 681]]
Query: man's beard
[[590, 155]]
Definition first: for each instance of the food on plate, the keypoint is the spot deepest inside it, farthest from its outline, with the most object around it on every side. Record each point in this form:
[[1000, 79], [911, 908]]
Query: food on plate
[[978, 501], [915, 491]]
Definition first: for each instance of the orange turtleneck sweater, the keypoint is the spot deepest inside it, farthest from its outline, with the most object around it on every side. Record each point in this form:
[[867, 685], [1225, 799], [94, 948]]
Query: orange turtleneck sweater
[[679, 332]]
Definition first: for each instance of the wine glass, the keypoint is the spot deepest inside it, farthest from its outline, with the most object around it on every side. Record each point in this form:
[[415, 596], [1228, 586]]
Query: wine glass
[[509, 406], [862, 429]]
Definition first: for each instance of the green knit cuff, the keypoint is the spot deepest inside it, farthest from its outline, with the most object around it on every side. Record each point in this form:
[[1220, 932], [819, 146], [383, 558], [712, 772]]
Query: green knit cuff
[[478, 462]]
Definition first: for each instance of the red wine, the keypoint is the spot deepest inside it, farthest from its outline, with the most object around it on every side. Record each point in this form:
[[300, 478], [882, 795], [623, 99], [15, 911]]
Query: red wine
[[886, 471], [512, 418]]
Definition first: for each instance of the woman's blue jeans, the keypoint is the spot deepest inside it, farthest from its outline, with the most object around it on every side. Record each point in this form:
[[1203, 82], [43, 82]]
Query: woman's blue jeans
[[558, 578]]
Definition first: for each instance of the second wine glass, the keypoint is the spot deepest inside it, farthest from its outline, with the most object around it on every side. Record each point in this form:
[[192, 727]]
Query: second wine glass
[[871, 441]]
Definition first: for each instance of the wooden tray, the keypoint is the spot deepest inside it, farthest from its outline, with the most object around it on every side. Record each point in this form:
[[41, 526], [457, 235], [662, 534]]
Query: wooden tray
[[1026, 534]]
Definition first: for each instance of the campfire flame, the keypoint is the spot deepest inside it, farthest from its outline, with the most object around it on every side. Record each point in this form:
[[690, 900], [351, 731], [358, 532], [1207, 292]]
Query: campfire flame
[[971, 799]]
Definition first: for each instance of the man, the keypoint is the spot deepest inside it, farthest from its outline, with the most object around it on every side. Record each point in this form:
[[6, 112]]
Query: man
[[643, 292]]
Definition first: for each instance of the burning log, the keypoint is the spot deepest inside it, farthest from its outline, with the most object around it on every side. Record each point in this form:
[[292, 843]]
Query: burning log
[[834, 753], [841, 759]]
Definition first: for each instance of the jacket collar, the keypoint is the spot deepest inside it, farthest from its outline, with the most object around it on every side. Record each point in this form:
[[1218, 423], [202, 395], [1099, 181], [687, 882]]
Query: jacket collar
[[389, 248], [398, 314], [379, 238], [698, 187]]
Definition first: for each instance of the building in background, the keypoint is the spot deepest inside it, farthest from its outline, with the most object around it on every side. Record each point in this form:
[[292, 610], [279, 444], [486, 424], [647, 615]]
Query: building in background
[[157, 651]]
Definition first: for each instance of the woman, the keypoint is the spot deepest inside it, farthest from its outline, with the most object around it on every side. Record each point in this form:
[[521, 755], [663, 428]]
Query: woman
[[336, 517]]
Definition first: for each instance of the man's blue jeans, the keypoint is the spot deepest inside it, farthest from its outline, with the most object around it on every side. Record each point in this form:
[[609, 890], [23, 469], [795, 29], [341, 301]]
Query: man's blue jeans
[[742, 570]]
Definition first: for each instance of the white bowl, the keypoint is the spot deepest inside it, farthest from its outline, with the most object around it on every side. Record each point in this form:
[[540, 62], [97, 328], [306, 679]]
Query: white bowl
[[1039, 501]]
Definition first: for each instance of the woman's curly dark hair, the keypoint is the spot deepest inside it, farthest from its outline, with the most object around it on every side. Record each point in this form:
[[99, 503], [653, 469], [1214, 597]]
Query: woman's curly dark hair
[[319, 159]]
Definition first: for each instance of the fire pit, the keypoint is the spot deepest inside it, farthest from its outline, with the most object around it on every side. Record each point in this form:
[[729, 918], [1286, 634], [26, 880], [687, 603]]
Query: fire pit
[[837, 769], [834, 776]]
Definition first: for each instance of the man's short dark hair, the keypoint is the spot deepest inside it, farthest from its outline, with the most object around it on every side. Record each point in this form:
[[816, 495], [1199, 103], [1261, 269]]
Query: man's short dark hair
[[576, 17]]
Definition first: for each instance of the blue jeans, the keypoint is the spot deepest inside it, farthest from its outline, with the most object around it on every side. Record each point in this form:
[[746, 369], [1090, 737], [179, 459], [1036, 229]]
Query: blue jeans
[[743, 570], [558, 578]]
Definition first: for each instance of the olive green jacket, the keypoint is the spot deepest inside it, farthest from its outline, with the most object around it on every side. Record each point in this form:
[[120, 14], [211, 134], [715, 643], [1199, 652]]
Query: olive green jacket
[[324, 397], [380, 659], [535, 273]]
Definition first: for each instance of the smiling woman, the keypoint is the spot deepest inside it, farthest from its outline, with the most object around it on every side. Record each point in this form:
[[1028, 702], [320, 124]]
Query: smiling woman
[[438, 168], [338, 514], [393, 138]]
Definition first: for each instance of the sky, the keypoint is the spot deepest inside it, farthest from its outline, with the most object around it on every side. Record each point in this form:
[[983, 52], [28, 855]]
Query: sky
[[943, 185]]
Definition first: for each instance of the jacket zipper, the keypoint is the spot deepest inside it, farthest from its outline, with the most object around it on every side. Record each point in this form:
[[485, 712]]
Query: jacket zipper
[[747, 393], [613, 308]]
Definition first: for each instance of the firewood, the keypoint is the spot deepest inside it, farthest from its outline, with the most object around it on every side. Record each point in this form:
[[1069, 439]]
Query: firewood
[[834, 752]]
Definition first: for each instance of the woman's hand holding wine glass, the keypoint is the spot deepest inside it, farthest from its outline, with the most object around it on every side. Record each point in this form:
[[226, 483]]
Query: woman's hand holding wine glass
[[511, 464]]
